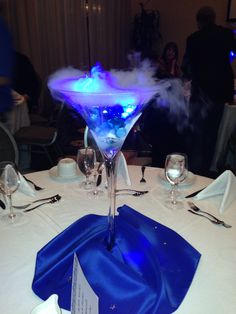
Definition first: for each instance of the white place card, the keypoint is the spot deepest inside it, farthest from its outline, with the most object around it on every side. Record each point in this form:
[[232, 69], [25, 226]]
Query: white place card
[[83, 298]]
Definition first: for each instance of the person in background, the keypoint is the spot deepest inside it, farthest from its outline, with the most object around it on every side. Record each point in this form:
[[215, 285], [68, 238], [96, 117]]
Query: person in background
[[207, 64], [26, 83], [6, 67], [167, 65], [159, 127]]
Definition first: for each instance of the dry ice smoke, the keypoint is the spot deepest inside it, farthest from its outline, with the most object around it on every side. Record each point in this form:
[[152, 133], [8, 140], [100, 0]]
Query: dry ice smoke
[[169, 93]]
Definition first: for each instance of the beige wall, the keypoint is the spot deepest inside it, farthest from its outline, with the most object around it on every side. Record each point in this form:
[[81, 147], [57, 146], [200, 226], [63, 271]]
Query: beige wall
[[177, 18]]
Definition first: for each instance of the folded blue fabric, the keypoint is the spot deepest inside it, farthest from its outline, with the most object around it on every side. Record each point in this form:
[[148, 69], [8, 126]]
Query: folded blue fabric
[[148, 271]]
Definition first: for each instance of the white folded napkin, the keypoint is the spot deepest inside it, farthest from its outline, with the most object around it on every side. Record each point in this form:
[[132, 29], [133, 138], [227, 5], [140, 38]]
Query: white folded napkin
[[50, 306], [225, 186], [25, 187], [122, 169]]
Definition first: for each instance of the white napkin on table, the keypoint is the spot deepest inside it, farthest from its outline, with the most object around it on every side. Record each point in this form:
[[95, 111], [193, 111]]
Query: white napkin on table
[[225, 186], [122, 169], [50, 306], [25, 187]]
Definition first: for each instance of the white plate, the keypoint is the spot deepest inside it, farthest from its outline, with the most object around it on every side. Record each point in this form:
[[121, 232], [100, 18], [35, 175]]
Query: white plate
[[188, 181], [54, 175]]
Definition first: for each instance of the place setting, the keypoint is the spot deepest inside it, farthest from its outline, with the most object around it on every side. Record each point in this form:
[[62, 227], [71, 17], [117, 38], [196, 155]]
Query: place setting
[[221, 194], [11, 180]]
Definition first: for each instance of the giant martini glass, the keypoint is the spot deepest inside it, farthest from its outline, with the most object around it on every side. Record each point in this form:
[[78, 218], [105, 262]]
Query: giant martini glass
[[110, 112]]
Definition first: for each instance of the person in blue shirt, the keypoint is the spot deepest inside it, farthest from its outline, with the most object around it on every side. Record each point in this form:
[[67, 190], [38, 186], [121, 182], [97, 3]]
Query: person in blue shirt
[[6, 68]]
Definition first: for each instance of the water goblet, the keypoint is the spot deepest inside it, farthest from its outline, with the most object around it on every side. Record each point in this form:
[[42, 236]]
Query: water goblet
[[175, 172], [86, 159], [9, 182], [97, 192]]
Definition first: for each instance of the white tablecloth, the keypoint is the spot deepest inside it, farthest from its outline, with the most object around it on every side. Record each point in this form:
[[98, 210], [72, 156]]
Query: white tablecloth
[[214, 285]]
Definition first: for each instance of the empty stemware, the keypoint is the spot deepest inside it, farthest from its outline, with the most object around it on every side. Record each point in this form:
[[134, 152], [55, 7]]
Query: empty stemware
[[86, 159], [9, 182], [97, 192]]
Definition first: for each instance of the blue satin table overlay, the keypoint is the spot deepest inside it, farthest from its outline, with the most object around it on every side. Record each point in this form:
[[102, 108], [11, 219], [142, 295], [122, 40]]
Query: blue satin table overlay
[[148, 271]]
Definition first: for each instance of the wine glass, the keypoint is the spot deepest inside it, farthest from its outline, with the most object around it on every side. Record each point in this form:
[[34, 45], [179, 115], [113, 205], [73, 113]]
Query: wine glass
[[97, 173], [175, 172], [9, 182], [86, 159]]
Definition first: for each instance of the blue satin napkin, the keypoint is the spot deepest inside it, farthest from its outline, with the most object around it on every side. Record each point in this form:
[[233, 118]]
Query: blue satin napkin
[[148, 271]]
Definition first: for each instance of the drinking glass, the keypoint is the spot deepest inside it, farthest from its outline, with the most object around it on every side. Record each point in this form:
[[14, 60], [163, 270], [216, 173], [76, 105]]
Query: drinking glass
[[175, 172], [96, 191], [9, 182], [86, 159]]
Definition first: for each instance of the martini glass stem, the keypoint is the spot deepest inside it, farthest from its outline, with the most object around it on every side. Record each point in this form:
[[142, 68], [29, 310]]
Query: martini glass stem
[[110, 165], [9, 204]]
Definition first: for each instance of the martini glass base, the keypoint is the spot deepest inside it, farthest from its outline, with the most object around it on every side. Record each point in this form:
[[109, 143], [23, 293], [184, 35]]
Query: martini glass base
[[95, 194], [86, 185], [174, 205], [14, 219]]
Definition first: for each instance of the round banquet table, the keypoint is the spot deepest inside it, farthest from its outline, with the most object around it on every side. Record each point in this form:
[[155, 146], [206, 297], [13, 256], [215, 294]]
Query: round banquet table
[[213, 286]]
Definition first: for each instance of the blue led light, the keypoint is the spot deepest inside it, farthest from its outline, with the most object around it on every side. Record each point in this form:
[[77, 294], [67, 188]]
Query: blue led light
[[232, 55]]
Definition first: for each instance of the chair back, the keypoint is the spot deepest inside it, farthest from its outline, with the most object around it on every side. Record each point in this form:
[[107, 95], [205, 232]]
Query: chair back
[[8, 147], [56, 114]]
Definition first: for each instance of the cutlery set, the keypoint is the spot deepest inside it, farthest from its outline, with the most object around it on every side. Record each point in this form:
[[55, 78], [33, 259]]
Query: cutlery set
[[197, 211], [36, 201], [42, 201], [52, 200]]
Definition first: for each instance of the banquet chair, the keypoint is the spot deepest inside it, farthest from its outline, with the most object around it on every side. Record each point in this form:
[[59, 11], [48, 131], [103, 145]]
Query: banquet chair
[[8, 146], [42, 139]]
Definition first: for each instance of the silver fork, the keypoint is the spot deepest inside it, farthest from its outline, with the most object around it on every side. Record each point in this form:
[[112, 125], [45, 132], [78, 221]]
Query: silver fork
[[53, 200], [36, 201], [143, 179], [197, 210]]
